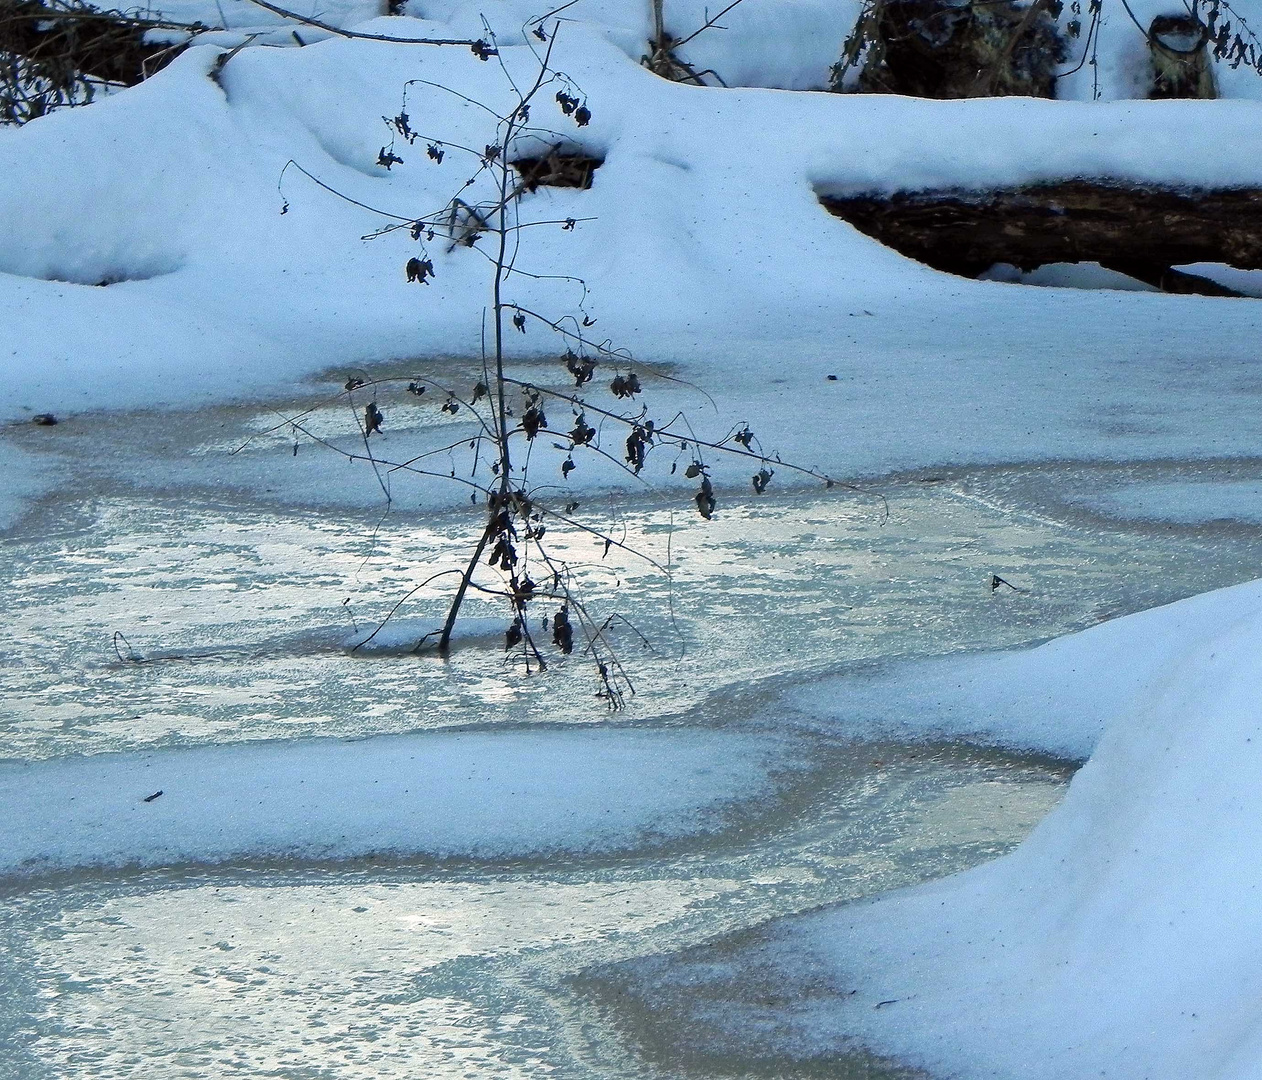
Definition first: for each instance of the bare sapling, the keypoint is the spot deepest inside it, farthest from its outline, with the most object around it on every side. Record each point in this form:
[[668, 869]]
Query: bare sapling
[[512, 556]]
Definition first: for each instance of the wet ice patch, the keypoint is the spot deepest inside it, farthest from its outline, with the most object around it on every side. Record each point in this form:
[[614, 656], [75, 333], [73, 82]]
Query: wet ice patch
[[419, 635], [26, 478], [368, 981], [471, 794], [1182, 502]]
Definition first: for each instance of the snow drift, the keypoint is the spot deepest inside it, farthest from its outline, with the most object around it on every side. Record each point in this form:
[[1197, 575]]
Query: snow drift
[[166, 274], [485, 794], [1123, 938]]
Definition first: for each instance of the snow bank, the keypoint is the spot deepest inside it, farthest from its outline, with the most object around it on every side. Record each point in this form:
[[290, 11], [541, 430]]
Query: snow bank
[[1124, 937], [473, 794], [793, 44], [1246, 282], [783, 44], [1058, 698], [1067, 276], [707, 250]]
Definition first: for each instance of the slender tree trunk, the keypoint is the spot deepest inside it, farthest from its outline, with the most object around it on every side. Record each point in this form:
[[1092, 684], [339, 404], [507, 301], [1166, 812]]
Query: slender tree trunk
[[505, 461], [444, 642]]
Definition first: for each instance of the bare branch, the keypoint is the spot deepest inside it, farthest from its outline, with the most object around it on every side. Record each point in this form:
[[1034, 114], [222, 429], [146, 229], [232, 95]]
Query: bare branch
[[293, 16]]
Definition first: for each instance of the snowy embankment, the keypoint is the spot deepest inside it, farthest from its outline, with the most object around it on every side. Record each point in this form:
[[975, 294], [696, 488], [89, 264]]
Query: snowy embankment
[[1123, 938], [1056, 699], [468, 794], [701, 240]]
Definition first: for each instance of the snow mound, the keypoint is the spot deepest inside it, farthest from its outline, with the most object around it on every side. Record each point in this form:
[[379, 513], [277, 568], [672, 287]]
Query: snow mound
[[1246, 282], [1056, 699], [702, 242], [1123, 938], [471, 794], [1087, 275], [245, 15]]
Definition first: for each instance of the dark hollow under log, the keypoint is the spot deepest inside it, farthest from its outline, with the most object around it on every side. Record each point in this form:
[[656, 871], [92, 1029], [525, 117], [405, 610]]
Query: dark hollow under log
[[557, 169], [1140, 231]]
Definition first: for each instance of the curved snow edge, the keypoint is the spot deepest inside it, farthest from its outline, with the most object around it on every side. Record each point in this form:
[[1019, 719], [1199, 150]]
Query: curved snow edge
[[1124, 936], [448, 794], [1057, 699]]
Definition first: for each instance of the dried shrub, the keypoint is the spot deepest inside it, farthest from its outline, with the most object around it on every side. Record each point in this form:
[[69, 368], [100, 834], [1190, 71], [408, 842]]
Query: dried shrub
[[55, 53], [937, 49], [558, 168]]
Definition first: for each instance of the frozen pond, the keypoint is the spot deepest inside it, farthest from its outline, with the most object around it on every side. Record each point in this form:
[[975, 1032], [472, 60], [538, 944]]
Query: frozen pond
[[325, 948], [456, 968]]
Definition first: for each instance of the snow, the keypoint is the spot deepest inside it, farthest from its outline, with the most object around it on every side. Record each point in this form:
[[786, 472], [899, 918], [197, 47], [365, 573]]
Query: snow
[[146, 263], [765, 42], [1067, 276], [474, 794], [233, 23], [1058, 698], [705, 229], [1122, 937], [1248, 282]]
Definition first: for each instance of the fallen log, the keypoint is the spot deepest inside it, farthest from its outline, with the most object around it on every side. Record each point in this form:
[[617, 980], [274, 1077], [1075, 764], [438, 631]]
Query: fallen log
[[1143, 232]]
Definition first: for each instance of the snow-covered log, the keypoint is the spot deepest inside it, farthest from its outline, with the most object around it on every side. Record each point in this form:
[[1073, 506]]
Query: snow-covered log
[[1144, 232]]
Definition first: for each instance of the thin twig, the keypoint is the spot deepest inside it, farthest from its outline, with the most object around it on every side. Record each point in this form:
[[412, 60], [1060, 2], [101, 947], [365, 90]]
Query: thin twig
[[293, 16]]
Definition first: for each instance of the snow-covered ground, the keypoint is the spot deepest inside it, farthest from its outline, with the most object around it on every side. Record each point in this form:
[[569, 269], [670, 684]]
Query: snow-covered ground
[[1120, 939], [702, 243], [1059, 698], [155, 252]]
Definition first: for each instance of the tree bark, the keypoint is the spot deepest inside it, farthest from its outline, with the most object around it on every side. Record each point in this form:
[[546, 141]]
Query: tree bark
[[1140, 231]]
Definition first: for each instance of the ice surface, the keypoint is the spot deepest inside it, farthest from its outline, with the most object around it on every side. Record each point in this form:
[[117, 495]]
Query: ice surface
[[402, 635], [425, 971], [1123, 936], [1183, 502], [27, 475]]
